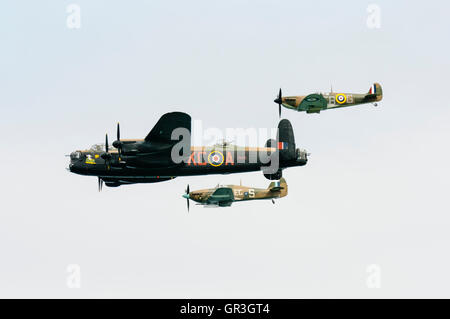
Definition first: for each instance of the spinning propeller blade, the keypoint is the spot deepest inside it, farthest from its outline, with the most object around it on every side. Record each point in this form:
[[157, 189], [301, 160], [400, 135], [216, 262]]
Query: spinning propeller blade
[[106, 156], [187, 197], [100, 184], [279, 100], [119, 144]]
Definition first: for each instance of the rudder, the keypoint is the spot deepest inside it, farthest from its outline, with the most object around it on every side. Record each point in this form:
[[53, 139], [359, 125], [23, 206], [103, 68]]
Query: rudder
[[377, 91], [286, 140]]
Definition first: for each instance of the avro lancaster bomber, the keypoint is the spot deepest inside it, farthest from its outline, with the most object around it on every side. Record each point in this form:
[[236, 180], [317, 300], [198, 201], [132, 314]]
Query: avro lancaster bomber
[[152, 159]]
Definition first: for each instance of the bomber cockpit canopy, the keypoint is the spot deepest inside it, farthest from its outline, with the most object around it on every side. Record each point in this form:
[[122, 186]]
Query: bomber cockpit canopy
[[224, 144], [100, 147]]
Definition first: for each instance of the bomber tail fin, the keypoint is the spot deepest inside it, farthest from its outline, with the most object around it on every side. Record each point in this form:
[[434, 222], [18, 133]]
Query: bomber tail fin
[[284, 150], [286, 140]]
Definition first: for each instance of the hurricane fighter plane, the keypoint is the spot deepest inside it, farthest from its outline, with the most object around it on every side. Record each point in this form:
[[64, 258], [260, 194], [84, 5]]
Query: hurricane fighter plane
[[151, 160], [316, 102], [223, 196]]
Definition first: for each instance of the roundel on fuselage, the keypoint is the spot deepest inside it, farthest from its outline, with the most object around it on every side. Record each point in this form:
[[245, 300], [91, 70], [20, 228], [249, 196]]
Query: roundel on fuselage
[[215, 158], [341, 98]]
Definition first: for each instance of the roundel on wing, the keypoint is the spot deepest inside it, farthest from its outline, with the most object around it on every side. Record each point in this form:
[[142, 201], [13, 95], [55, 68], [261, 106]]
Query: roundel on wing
[[341, 98], [215, 158]]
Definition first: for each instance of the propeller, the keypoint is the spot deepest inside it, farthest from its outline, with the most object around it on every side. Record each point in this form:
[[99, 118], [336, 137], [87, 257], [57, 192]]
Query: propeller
[[106, 156], [118, 144], [100, 184], [119, 149], [187, 197], [279, 100]]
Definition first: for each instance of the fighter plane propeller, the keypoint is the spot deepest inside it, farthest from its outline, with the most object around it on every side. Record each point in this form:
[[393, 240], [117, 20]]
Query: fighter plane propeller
[[279, 101], [187, 197]]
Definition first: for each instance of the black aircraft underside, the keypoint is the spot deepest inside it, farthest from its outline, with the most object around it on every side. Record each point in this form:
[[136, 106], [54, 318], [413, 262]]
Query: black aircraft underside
[[121, 176]]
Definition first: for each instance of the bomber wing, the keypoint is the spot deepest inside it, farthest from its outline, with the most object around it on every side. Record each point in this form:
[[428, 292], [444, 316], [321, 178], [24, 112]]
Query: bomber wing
[[156, 148]]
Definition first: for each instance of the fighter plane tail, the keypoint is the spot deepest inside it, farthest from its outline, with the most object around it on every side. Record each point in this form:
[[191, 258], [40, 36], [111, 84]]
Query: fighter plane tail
[[375, 92], [279, 186]]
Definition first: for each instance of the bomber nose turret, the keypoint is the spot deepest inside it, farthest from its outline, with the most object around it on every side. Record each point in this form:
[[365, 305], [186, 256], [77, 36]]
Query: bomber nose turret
[[75, 156], [76, 163]]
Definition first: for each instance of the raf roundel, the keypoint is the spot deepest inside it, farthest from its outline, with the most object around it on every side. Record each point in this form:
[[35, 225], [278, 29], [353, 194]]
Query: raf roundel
[[341, 98], [215, 158]]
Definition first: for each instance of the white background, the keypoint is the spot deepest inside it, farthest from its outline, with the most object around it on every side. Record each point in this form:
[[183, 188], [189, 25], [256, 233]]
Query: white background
[[375, 190]]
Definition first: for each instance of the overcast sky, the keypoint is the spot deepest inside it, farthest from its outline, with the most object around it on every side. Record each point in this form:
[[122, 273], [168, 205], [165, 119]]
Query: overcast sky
[[372, 202]]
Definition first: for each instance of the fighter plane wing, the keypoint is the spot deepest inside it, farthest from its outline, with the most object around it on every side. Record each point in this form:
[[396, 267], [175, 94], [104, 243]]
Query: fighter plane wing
[[313, 102], [222, 196]]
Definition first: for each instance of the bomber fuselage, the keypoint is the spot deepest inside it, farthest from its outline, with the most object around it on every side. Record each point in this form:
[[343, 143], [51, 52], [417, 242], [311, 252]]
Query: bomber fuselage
[[129, 169]]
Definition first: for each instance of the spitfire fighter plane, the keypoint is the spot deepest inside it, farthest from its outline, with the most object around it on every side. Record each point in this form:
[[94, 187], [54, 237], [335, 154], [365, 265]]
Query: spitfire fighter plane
[[151, 160], [223, 196], [316, 102]]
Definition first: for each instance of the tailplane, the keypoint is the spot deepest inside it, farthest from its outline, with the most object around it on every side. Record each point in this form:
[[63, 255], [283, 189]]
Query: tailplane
[[375, 92], [279, 186]]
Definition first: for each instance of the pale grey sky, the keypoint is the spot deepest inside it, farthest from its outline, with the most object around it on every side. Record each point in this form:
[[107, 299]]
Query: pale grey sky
[[375, 190]]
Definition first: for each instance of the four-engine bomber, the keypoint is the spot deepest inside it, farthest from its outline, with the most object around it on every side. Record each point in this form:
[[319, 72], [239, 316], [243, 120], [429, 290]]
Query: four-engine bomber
[[152, 159]]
